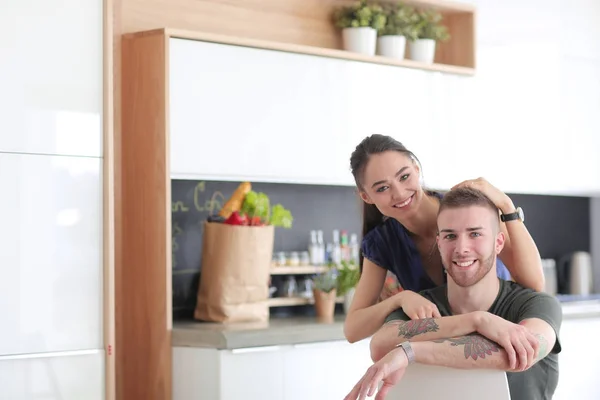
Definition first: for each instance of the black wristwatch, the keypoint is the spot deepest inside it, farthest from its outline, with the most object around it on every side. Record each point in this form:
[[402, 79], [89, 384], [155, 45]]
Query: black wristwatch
[[518, 214]]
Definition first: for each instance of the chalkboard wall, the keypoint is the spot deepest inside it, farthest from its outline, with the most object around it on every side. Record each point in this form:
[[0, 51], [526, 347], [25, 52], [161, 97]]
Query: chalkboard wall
[[558, 224]]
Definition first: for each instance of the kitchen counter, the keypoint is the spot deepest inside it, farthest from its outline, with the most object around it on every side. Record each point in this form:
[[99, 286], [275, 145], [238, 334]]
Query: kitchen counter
[[278, 331], [282, 331], [581, 309]]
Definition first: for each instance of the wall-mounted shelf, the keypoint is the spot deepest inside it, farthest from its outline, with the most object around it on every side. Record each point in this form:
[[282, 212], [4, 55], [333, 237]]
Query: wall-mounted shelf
[[460, 56], [300, 27], [297, 270], [294, 301]]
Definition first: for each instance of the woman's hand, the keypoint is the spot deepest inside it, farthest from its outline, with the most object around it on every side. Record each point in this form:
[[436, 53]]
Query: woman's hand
[[520, 344], [389, 370], [416, 306], [498, 197]]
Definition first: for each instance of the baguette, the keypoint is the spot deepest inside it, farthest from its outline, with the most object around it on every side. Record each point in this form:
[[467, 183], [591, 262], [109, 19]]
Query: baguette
[[236, 200]]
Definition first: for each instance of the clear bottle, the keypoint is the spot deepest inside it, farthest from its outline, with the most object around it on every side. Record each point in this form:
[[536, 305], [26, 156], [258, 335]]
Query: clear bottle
[[313, 249], [290, 287], [336, 252], [321, 251]]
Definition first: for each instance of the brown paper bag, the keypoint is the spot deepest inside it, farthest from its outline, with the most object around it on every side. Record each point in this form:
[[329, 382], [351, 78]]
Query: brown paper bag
[[234, 280]]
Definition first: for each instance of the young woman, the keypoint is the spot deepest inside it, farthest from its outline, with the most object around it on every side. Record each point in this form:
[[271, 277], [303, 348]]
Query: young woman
[[399, 237]]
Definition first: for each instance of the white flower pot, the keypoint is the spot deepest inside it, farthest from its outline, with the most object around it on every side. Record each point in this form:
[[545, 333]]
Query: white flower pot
[[348, 300], [422, 50], [360, 40], [391, 46]]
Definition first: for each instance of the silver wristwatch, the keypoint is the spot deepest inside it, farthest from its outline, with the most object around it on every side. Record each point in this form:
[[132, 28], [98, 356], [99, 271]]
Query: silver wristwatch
[[410, 354]]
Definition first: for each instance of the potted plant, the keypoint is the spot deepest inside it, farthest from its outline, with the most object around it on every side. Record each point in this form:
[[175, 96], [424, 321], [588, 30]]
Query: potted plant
[[424, 35], [325, 293], [359, 24], [348, 276], [400, 20]]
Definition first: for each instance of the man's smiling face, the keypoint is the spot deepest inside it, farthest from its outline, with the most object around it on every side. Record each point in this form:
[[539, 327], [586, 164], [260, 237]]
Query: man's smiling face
[[469, 241]]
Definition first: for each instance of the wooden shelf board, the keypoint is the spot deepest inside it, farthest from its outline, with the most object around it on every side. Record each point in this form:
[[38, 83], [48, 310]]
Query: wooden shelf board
[[297, 270], [294, 301], [303, 49]]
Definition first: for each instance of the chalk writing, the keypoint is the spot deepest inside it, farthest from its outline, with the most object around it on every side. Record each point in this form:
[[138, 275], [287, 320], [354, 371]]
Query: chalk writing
[[212, 204], [179, 206], [175, 231]]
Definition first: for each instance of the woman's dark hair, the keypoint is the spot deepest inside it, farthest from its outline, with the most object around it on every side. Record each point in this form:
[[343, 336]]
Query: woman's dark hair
[[374, 144]]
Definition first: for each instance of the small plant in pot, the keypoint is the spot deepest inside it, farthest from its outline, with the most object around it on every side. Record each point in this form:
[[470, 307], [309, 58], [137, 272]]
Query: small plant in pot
[[348, 276], [400, 20], [325, 293], [359, 24], [424, 35]]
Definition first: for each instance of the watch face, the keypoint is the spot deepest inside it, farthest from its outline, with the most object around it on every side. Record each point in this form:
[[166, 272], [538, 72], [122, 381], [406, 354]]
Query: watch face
[[521, 214]]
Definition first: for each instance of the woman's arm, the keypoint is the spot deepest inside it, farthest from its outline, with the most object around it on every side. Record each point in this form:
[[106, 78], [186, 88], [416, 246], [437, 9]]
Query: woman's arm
[[366, 315], [520, 253]]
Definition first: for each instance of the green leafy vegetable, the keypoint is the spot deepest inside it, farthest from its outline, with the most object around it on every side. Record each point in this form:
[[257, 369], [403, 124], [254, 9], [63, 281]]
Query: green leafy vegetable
[[281, 216], [256, 205]]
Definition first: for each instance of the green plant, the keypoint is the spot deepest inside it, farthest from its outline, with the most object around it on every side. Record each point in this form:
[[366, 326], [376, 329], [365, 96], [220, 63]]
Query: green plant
[[348, 276], [326, 281], [428, 25], [360, 14], [400, 20]]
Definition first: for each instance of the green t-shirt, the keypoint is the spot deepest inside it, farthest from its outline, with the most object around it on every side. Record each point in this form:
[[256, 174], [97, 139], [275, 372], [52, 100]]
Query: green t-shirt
[[515, 303]]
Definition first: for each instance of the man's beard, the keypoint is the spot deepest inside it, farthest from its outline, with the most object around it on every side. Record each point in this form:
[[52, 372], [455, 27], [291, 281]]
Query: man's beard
[[483, 269]]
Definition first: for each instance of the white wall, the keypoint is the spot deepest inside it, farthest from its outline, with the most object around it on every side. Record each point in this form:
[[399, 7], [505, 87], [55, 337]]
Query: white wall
[[51, 204], [536, 94]]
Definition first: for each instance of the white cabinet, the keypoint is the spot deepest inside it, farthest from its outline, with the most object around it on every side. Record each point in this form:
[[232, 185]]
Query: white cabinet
[[243, 113], [579, 361], [48, 376], [51, 77], [51, 253], [326, 370], [210, 374], [316, 371], [240, 113]]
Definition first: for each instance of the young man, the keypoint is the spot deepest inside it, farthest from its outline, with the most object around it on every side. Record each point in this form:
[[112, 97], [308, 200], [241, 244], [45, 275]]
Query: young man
[[486, 322]]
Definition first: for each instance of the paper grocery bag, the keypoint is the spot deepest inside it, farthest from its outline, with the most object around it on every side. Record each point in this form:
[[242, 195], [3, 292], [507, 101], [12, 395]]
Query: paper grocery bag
[[234, 276]]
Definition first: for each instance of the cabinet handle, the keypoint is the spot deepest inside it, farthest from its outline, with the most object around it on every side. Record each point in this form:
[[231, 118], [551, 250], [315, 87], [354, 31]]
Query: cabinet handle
[[255, 349]]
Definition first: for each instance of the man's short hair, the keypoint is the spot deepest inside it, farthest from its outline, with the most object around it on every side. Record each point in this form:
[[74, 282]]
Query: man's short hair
[[467, 197]]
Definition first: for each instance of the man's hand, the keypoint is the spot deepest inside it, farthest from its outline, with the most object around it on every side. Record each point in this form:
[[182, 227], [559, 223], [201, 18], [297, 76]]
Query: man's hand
[[388, 370], [416, 306], [520, 344]]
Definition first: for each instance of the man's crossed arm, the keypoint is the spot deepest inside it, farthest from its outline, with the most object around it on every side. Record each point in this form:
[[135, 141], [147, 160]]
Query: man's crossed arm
[[473, 340]]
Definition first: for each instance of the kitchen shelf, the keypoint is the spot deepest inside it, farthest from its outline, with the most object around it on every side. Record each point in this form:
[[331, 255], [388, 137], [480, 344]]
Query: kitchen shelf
[[297, 270], [460, 56], [294, 301]]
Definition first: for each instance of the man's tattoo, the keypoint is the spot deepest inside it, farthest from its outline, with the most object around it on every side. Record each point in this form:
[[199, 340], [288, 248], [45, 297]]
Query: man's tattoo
[[476, 346], [543, 347], [412, 328]]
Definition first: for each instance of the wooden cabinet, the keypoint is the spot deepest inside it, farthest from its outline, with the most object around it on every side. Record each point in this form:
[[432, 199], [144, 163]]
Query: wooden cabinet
[[316, 371]]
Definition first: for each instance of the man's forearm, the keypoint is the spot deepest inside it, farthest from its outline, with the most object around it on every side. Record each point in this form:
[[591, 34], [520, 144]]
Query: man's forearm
[[419, 330], [465, 352], [468, 352]]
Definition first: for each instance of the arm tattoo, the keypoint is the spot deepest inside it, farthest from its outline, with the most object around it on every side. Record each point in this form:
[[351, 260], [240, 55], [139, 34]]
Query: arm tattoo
[[412, 328], [543, 348], [476, 346]]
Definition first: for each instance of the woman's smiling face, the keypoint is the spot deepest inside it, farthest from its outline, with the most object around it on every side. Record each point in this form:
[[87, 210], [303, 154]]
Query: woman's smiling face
[[390, 181]]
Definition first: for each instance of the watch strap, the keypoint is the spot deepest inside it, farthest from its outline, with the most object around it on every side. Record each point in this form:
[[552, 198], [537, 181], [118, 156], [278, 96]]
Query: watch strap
[[516, 215], [408, 350], [509, 217]]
